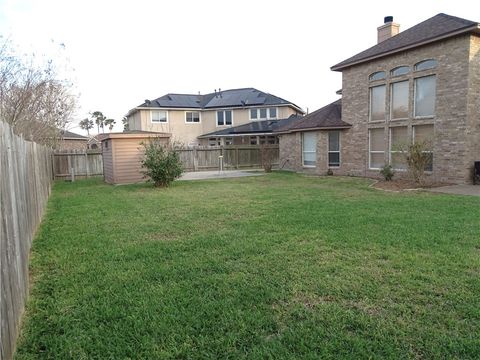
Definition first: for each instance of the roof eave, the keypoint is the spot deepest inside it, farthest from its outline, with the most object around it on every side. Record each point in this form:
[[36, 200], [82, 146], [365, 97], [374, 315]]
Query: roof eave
[[289, 131], [474, 29]]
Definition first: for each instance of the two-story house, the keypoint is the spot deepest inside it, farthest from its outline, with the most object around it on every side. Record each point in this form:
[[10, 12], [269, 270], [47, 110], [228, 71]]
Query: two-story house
[[203, 119], [422, 83]]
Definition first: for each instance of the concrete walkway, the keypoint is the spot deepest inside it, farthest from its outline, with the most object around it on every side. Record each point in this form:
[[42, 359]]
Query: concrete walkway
[[202, 175], [472, 190]]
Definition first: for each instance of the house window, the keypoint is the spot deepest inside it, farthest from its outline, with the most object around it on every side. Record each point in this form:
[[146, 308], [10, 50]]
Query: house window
[[106, 145], [426, 64], [401, 70], [309, 147], [425, 96], [229, 141], [263, 113], [377, 148], [398, 140], [224, 117], [253, 140], [377, 103], [379, 75], [424, 133], [399, 100], [334, 148], [159, 116], [213, 141], [272, 139], [192, 117]]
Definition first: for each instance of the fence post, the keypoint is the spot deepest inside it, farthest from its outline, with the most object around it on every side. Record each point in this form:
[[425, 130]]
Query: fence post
[[86, 165], [236, 157], [195, 161]]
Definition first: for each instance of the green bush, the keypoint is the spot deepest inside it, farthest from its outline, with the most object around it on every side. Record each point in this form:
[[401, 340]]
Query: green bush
[[162, 163], [387, 172]]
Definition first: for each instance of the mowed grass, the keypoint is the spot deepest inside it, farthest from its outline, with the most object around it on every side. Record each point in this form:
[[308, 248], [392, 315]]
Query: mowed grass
[[280, 266]]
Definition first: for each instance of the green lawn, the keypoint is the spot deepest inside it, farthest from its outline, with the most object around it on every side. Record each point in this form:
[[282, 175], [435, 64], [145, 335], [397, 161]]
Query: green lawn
[[279, 266]]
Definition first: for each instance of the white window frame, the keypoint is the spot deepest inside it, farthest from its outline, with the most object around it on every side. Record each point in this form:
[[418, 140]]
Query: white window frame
[[370, 98], [391, 100], [314, 152], [374, 151], [334, 151], [390, 151], [415, 97], [193, 122], [258, 118], [158, 122], [224, 117], [230, 140]]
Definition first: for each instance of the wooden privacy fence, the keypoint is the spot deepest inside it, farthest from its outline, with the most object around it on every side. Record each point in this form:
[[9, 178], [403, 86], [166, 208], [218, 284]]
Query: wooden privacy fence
[[25, 182], [80, 163], [233, 157]]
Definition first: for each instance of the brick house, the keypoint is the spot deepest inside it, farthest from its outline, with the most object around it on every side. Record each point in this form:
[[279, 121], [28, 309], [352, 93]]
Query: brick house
[[71, 141], [422, 83]]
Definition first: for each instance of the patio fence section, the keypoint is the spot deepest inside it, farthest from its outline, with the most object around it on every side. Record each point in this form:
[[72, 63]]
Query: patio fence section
[[233, 157], [77, 164], [25, 183]]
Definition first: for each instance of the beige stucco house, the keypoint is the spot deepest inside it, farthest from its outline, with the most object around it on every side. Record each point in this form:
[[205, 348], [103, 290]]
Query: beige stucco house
[[201, 119], [422, 83]]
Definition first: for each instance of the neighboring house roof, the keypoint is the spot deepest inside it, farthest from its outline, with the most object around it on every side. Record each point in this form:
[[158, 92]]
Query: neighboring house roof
[[439, 27], [68, 135], [254, 127], [328, 117], [221, 99]]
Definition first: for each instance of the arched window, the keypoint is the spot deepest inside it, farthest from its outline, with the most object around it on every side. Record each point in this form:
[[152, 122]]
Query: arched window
[[426, 64], [379, 75], [401, 70]]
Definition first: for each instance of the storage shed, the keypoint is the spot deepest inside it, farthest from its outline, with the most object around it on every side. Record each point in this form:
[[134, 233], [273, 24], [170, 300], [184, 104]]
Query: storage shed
[[122, 155]]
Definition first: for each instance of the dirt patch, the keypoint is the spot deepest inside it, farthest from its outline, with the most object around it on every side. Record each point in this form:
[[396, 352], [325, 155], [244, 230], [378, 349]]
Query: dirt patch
[[404, 185]]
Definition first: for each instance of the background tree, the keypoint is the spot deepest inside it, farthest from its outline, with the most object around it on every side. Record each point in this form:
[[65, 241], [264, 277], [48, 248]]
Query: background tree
[[86, 124], [125, 124], [99, 119], [110, 123], [34, 100]]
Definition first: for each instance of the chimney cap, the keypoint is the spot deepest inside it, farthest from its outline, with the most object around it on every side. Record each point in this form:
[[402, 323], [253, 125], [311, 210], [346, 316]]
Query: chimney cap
[[387, 19]]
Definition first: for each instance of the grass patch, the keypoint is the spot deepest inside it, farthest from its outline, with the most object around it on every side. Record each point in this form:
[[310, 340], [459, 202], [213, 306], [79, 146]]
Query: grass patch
[[277, 266]]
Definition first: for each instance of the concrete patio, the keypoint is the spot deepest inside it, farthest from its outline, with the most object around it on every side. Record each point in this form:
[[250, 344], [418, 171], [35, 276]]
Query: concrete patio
[[203, 175]]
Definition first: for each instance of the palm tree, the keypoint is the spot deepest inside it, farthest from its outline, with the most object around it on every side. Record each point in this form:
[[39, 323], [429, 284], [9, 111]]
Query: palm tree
[[99, 120], [86, 124], [110, 123]]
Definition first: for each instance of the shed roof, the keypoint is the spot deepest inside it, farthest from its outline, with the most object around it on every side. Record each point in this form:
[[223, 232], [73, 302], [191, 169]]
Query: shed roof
[[132, 134]]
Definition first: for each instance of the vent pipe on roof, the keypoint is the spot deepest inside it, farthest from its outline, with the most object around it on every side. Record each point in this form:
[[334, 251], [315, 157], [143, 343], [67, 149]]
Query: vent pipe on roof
[[388, 29]]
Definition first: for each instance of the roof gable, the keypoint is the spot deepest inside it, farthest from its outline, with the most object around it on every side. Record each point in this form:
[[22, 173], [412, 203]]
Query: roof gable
[[438, 27]]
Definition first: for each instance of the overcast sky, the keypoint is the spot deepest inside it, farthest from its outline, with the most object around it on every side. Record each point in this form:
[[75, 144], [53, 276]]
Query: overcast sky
[[122, 52]]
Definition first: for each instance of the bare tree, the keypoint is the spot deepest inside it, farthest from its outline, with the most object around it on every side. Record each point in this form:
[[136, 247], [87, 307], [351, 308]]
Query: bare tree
[[33, 100]]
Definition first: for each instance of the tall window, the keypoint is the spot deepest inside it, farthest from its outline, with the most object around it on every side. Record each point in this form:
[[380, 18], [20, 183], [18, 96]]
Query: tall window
[[401, 70], [377, 103], [377, 148], [379, 75], [425, 65], [334, 148], [398, 138], [192, 117], [309, 147], [159, 116], [224, 117], [399, 100], [425, 96], [424, 133]]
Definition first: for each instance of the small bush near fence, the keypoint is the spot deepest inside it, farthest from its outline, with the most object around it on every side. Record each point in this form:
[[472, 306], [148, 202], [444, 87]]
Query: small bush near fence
[[162, 163]]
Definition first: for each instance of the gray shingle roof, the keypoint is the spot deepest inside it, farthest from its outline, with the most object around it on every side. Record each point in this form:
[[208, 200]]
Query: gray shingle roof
[[438, 27], [72, 136], [222, 99], [328, 117], [254, 127]]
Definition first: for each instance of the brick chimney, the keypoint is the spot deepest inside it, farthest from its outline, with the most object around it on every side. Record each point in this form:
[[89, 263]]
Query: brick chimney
[[388, 29]]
